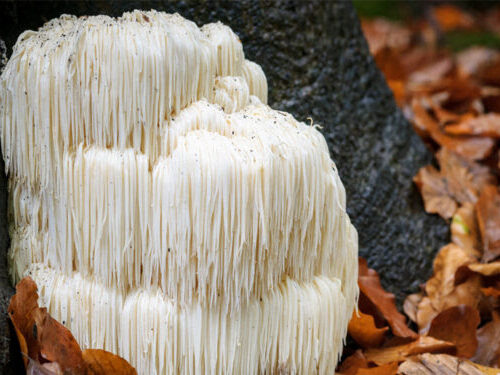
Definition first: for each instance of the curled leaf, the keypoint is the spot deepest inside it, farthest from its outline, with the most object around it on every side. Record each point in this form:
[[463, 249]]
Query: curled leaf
[[363, 330], [458, 325], [442, 364], [101, 362], [488, 351], [488, 216], [369, 284], [424, 344]]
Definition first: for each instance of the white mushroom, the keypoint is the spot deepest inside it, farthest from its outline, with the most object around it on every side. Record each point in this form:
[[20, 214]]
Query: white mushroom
[[165, 211]]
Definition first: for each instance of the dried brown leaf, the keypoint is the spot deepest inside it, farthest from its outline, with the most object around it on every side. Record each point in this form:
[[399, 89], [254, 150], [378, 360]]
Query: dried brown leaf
[[410, 305], [486, 269], [353, 363], [491, 291], [433, 72], [425, 313], [22, 306], [488, 351], [101, 362], [449, 286], [57, 344], [471, 147], [464, 178], [448, 260], [434, 191], [473, 60], [488, 216], [458, 325], [435, 195], [363, 330], [424, 344], [369, 284], [442, 364], [387, 369], [450, 17], [487, 125]]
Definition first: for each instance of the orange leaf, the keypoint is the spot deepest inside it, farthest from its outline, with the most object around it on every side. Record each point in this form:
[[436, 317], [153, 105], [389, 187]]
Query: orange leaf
[[353, 363], [369, 284], [387, 369], [424, 344], [101, 362], [488, 351], [57, 344], [458, 325], [435, 195], [445, 289], [448, 260], [487, 125], [471, 147], [486, 269], [464, 178], [450, 17], [21, 308], [488, 216], [363, 330], [491, 291]]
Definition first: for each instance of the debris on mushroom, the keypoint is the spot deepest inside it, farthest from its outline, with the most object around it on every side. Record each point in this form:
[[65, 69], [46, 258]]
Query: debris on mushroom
[[165, 211]]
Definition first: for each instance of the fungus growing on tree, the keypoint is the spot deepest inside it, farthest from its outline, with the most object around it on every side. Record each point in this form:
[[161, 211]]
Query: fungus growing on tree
[[167, 213]]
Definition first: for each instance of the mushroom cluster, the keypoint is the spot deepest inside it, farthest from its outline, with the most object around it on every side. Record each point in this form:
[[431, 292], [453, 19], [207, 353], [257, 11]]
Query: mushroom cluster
[[167, 213]]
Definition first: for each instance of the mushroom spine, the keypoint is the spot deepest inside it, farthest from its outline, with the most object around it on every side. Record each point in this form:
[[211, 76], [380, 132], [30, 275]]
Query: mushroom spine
[[204, 231]]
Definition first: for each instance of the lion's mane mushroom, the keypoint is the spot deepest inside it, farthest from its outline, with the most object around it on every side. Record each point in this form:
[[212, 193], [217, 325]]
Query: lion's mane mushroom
[[165, 211]]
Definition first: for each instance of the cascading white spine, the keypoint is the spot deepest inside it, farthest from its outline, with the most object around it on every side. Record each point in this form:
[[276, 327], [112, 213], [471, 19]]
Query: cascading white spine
[[147, 172]]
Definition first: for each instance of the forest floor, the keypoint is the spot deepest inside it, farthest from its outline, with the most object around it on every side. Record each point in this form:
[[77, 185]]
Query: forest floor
[[444, 71]]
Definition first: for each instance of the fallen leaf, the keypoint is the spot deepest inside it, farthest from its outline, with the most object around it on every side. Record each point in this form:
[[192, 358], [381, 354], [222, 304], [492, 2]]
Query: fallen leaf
[[424, 344], [353, 363], [425, 313], [448, 260], [433, 72], [488, 216], [369, 284], [472, 61], [442, 364], [487, 125], [387, 369], [381, 33], [57, 344], [444, 289], [464, 178], [486, 269], [363, 330], [457, 325], [464, 229], [410, 305], [471, 147], [491, 291], [450, 17], [488, 351], [101, 362], [21, 308], [388, 61], [49, 368], [434, 191]]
